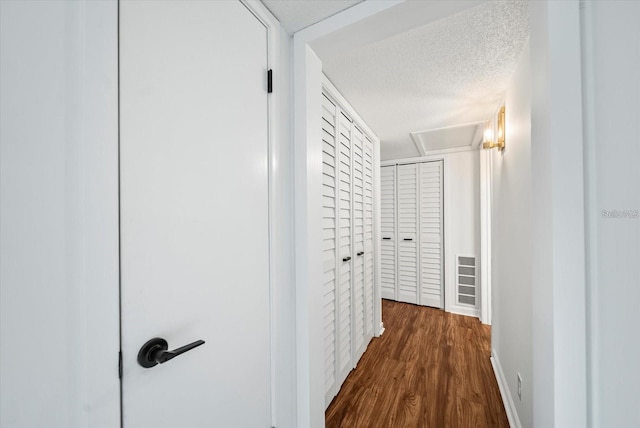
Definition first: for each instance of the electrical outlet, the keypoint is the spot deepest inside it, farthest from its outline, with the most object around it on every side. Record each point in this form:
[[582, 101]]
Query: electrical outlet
[[519, 387]]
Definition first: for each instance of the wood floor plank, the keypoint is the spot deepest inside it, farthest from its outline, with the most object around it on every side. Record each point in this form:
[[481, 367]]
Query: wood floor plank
[[429, 369]]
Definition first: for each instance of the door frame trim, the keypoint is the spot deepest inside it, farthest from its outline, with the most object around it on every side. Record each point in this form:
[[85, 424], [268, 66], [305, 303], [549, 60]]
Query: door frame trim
[[486, 180], [280, 235]]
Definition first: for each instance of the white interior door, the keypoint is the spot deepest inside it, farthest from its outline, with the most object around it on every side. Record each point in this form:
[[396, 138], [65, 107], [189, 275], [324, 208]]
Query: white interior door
[[344, 249], [388, 262], [407, 284], [431, 234], [368, 239], [329, 229], [194, 213], [358, 311]]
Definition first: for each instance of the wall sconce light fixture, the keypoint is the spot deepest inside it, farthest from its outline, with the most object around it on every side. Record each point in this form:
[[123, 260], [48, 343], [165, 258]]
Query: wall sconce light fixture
[[488, 134]]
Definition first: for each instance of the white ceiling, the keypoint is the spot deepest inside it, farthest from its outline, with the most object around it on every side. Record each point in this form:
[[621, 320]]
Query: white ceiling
[[429, 68], [417, 71], [294, 15]]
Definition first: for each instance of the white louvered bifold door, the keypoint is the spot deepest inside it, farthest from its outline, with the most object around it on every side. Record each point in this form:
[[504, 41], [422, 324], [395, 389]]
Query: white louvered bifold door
[[388, 228], [357, 262], [344, 248], [348, 243], [368, 239], [407, 290], [329, 218], [431, 234]]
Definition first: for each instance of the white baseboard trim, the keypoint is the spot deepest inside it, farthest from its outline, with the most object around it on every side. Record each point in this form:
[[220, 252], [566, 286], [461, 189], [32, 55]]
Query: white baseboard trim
[[507, 399], [381, 329], [462, 310], [484, 321]]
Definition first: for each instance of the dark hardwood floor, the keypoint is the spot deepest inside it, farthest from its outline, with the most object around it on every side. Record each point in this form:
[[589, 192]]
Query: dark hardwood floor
[[429, 369]]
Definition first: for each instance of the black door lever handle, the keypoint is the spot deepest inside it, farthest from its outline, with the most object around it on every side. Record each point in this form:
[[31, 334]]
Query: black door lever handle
[[156, 352]]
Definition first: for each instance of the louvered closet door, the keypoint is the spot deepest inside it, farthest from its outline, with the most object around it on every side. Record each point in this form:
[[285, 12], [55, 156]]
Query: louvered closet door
[[407, 290], [344, 248], [329, 217], [388, 230], [368, 239], [358, 311], [431, 236]]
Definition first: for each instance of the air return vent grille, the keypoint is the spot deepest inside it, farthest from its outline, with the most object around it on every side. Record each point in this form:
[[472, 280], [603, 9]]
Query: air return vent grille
[[466, 280]]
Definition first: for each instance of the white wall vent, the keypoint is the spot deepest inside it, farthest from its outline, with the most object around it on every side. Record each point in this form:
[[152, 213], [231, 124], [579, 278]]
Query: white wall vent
[[466, 280]]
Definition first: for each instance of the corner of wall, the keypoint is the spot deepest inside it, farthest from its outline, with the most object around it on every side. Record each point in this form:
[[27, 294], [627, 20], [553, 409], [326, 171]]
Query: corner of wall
[[507, 398]]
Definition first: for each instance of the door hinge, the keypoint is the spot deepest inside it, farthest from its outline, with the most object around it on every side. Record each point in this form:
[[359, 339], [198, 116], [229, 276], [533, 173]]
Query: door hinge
[[119, 364], [269, 81]]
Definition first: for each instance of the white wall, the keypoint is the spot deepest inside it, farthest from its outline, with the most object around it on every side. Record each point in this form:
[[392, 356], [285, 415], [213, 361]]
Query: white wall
[[558, 252], [611, 90], [59, 337], [461, 221], [461, 217], [308, 236], [511, 240]]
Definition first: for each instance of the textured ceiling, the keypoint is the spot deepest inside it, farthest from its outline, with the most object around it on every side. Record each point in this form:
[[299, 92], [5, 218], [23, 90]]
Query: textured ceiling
[[445, 73], [295, 15]]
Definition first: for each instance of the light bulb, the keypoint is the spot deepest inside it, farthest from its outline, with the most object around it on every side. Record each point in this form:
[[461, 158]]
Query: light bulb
[[488, 135]]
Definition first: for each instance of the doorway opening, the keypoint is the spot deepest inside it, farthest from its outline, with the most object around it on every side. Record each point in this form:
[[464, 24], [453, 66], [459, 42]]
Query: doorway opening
[[429, 78]]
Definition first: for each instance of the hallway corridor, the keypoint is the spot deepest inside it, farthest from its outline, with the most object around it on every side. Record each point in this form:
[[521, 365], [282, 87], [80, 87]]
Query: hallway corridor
[[429, 369]]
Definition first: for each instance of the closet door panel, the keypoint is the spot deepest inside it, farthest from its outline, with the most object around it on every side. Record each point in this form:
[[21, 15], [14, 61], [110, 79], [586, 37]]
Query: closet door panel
[[431, 234], [388, 213], [358, 243], [345, 202], [348, 243], [329, 225], [407, 289], [368, 238]]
